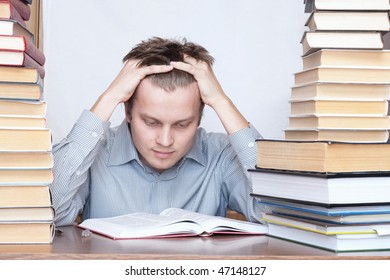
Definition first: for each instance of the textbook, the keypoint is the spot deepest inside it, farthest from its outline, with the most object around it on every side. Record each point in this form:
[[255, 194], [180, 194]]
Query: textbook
[[338, 5], [26, 160], [322, 188], [14, 28], [7, 121], [321, 121], [339, 107], [334, 242], [25, 196], [171, 222], [314, 40], [347, 58], [26, 232], [341, 135], [323, 157], [28, 91], [19, 74], [352, 21], [25, 139], [325, 227], [340, 91], [26, 108], [324, 74]]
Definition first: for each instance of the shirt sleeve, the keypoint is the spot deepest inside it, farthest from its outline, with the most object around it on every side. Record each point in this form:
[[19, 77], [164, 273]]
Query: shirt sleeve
[[73, 157], [244, 143], [238, 179]]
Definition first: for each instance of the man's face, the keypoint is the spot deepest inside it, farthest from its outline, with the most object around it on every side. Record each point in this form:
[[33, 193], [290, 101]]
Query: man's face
[[163, 124]]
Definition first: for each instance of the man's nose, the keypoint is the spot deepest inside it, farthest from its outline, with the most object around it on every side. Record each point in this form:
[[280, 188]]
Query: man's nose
[[165, 138]]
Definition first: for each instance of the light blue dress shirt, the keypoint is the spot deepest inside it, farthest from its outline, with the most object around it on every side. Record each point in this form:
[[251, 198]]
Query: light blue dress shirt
[[98, 173]]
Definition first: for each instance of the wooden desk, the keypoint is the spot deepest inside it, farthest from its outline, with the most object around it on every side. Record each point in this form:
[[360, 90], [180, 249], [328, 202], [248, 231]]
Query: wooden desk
[[70, 245]]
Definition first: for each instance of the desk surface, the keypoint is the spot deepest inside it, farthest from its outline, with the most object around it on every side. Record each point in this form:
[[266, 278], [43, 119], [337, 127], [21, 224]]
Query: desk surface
[[70, 245]]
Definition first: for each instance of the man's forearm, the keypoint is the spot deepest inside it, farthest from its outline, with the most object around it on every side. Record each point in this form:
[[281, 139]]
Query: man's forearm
[[230, 116]]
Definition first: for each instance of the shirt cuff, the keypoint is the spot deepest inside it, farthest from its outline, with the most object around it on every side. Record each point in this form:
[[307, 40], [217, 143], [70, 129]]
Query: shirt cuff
[[244, 143], [88, 130]]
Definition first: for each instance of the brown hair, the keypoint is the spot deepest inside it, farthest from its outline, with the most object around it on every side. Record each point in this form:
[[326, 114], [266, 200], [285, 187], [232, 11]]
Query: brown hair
[[159, 51]]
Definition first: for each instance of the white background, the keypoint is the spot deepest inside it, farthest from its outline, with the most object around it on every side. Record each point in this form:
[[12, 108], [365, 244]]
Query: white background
[[256, 44]]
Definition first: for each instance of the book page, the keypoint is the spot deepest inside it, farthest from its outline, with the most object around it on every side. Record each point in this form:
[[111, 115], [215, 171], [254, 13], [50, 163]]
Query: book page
[[215, 223], [140, 225]]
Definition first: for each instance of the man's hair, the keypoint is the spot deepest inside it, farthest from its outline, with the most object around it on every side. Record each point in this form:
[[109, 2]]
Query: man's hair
[[159, 51]]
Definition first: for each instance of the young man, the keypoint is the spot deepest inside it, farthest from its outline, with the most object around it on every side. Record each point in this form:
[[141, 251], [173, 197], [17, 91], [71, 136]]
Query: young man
[[158, 157]]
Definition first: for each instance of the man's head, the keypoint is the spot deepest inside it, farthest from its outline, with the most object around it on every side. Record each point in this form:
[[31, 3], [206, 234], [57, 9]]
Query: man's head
[[159, 51], [165, 110]]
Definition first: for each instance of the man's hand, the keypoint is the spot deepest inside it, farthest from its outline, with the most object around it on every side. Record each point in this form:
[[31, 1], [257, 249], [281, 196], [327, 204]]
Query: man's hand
[[124, 86], [210, 90], [212, 93]]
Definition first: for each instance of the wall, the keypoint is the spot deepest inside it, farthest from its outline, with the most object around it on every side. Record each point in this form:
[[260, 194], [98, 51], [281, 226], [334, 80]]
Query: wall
[[256, 44]]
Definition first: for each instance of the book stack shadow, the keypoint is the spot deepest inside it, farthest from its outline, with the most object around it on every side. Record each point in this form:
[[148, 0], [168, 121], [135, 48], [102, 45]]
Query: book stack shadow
[[26, 213], [327, 184]]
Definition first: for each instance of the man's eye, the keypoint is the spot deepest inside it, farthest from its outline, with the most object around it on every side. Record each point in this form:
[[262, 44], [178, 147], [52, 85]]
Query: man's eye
[[151, 123], [182, 125]]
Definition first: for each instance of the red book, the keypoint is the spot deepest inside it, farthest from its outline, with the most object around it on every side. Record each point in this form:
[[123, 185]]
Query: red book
[[21, 44], [8, 11], [16, 58], [22, 8]]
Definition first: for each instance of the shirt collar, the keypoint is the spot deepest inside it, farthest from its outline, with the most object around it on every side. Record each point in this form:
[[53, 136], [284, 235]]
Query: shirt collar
[[123, 149]]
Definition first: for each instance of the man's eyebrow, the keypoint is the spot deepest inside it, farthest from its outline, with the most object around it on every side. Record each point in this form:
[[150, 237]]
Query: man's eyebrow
[[146, 116]]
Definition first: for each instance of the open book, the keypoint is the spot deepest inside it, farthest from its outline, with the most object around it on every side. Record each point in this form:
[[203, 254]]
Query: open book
[[171, 222]]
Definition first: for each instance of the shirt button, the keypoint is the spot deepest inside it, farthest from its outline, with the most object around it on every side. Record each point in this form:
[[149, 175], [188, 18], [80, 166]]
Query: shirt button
[[251, 144], [94, 134], [78, 173]]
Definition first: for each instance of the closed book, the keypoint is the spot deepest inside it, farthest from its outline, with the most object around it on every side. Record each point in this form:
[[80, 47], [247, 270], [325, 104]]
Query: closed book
[[322, 188], [318, 121], [335, 242], [12, 74], [24, 108], [31, 91], [25, 139], [340, 91], [324, 227], [22, 7], [8, 11], [270, 204], [20, 44], [351, 21], [343, 75], [26, 233], [340, 135], [339, 107], [22, 122], [347, 58], [12, 27], [26, 214], [26, 176], [25, 196], [16, 58], [344, 217], [323, 157], [26, 160], [337, 5], [315, 40]]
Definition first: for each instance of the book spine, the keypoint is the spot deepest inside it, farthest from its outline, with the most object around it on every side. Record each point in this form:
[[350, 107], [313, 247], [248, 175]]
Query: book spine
[[34, 52], [23, 9], [30, 62]]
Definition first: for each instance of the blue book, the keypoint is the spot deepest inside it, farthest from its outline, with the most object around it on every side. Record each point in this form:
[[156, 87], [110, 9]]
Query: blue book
[[336, 214]]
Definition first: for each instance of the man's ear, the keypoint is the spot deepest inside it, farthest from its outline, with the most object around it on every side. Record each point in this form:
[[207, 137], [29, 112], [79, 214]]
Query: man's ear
[[127, 112]]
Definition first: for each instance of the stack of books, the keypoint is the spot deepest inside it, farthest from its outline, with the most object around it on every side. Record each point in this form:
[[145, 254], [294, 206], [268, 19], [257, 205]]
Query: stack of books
[[328, 183], [26, 213], [342, 92]]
